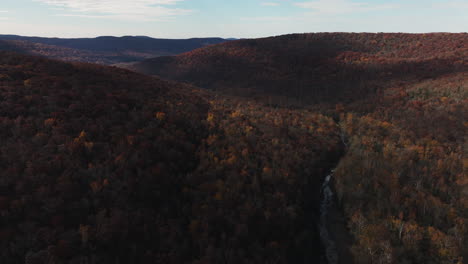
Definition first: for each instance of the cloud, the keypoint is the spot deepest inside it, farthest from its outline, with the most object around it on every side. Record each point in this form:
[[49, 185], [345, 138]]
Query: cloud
[[137, 10], [268, 19], [270, 4], [342, 6], [3, 12], [452, 4], [82, 15]]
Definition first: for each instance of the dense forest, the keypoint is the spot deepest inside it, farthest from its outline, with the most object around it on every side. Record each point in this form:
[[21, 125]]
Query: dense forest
[[104, 165], [92, 161], [105, 50], [403, 182], [401, 102], [315, 68]]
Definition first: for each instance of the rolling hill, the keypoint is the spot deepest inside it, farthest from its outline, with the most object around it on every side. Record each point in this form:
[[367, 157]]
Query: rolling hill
[[85, 147], [103, 165], [315, 68], [401, 103], [106, 50]]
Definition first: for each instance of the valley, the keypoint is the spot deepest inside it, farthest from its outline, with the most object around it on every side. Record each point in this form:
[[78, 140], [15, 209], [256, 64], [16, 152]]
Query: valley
[[400, 101], [105, 50], [302, 148]]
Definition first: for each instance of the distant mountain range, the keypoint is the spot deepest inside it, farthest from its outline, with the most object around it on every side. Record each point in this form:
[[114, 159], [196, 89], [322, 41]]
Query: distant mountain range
[[106, 49]]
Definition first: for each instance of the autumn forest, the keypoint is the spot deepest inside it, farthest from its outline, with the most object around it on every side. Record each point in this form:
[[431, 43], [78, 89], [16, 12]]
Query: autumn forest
[[304, 148]]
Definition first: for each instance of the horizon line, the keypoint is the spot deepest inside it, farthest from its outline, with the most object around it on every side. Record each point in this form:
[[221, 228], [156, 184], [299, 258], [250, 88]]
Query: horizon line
[[235, 38]]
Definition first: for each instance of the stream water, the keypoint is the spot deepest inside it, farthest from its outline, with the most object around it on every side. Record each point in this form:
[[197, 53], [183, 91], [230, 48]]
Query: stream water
[[331, 252]]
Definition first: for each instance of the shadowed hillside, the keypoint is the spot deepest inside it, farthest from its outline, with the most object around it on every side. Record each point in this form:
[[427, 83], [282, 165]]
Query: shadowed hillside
[[401, 104], [107, 50], [103, 165], [305, 68], [92, 161], [9, 46]]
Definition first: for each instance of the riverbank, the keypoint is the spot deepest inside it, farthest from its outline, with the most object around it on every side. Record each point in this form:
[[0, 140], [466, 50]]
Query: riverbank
[[338, 231]]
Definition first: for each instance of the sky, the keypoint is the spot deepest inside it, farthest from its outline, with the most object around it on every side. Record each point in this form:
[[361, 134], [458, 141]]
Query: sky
[[227, 18]]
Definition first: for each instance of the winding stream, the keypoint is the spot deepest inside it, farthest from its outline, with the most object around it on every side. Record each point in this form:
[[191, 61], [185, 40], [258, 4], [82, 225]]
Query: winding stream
[[331, 251]]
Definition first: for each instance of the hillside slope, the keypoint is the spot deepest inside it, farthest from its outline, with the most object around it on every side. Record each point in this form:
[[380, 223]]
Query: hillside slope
[[107, 50], [401, 101], [91, 159], [403, 182], [103, 165], [337, 67]]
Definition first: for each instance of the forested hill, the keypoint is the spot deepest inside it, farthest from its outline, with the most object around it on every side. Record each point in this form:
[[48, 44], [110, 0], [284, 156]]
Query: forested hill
[[9, 46], [91, 160], [315, 68], [103, 165], [107, 50], [401, 101]]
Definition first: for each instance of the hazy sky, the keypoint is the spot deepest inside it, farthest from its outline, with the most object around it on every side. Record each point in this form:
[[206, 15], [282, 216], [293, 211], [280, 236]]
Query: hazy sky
[[233, 18]]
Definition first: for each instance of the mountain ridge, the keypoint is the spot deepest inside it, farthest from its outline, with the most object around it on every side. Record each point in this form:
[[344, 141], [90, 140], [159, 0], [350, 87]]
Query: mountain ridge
[[307, 62], [107, 49]]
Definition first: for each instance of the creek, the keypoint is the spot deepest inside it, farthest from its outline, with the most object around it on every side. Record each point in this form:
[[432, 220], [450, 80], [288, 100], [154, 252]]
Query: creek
[[331, 252]]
